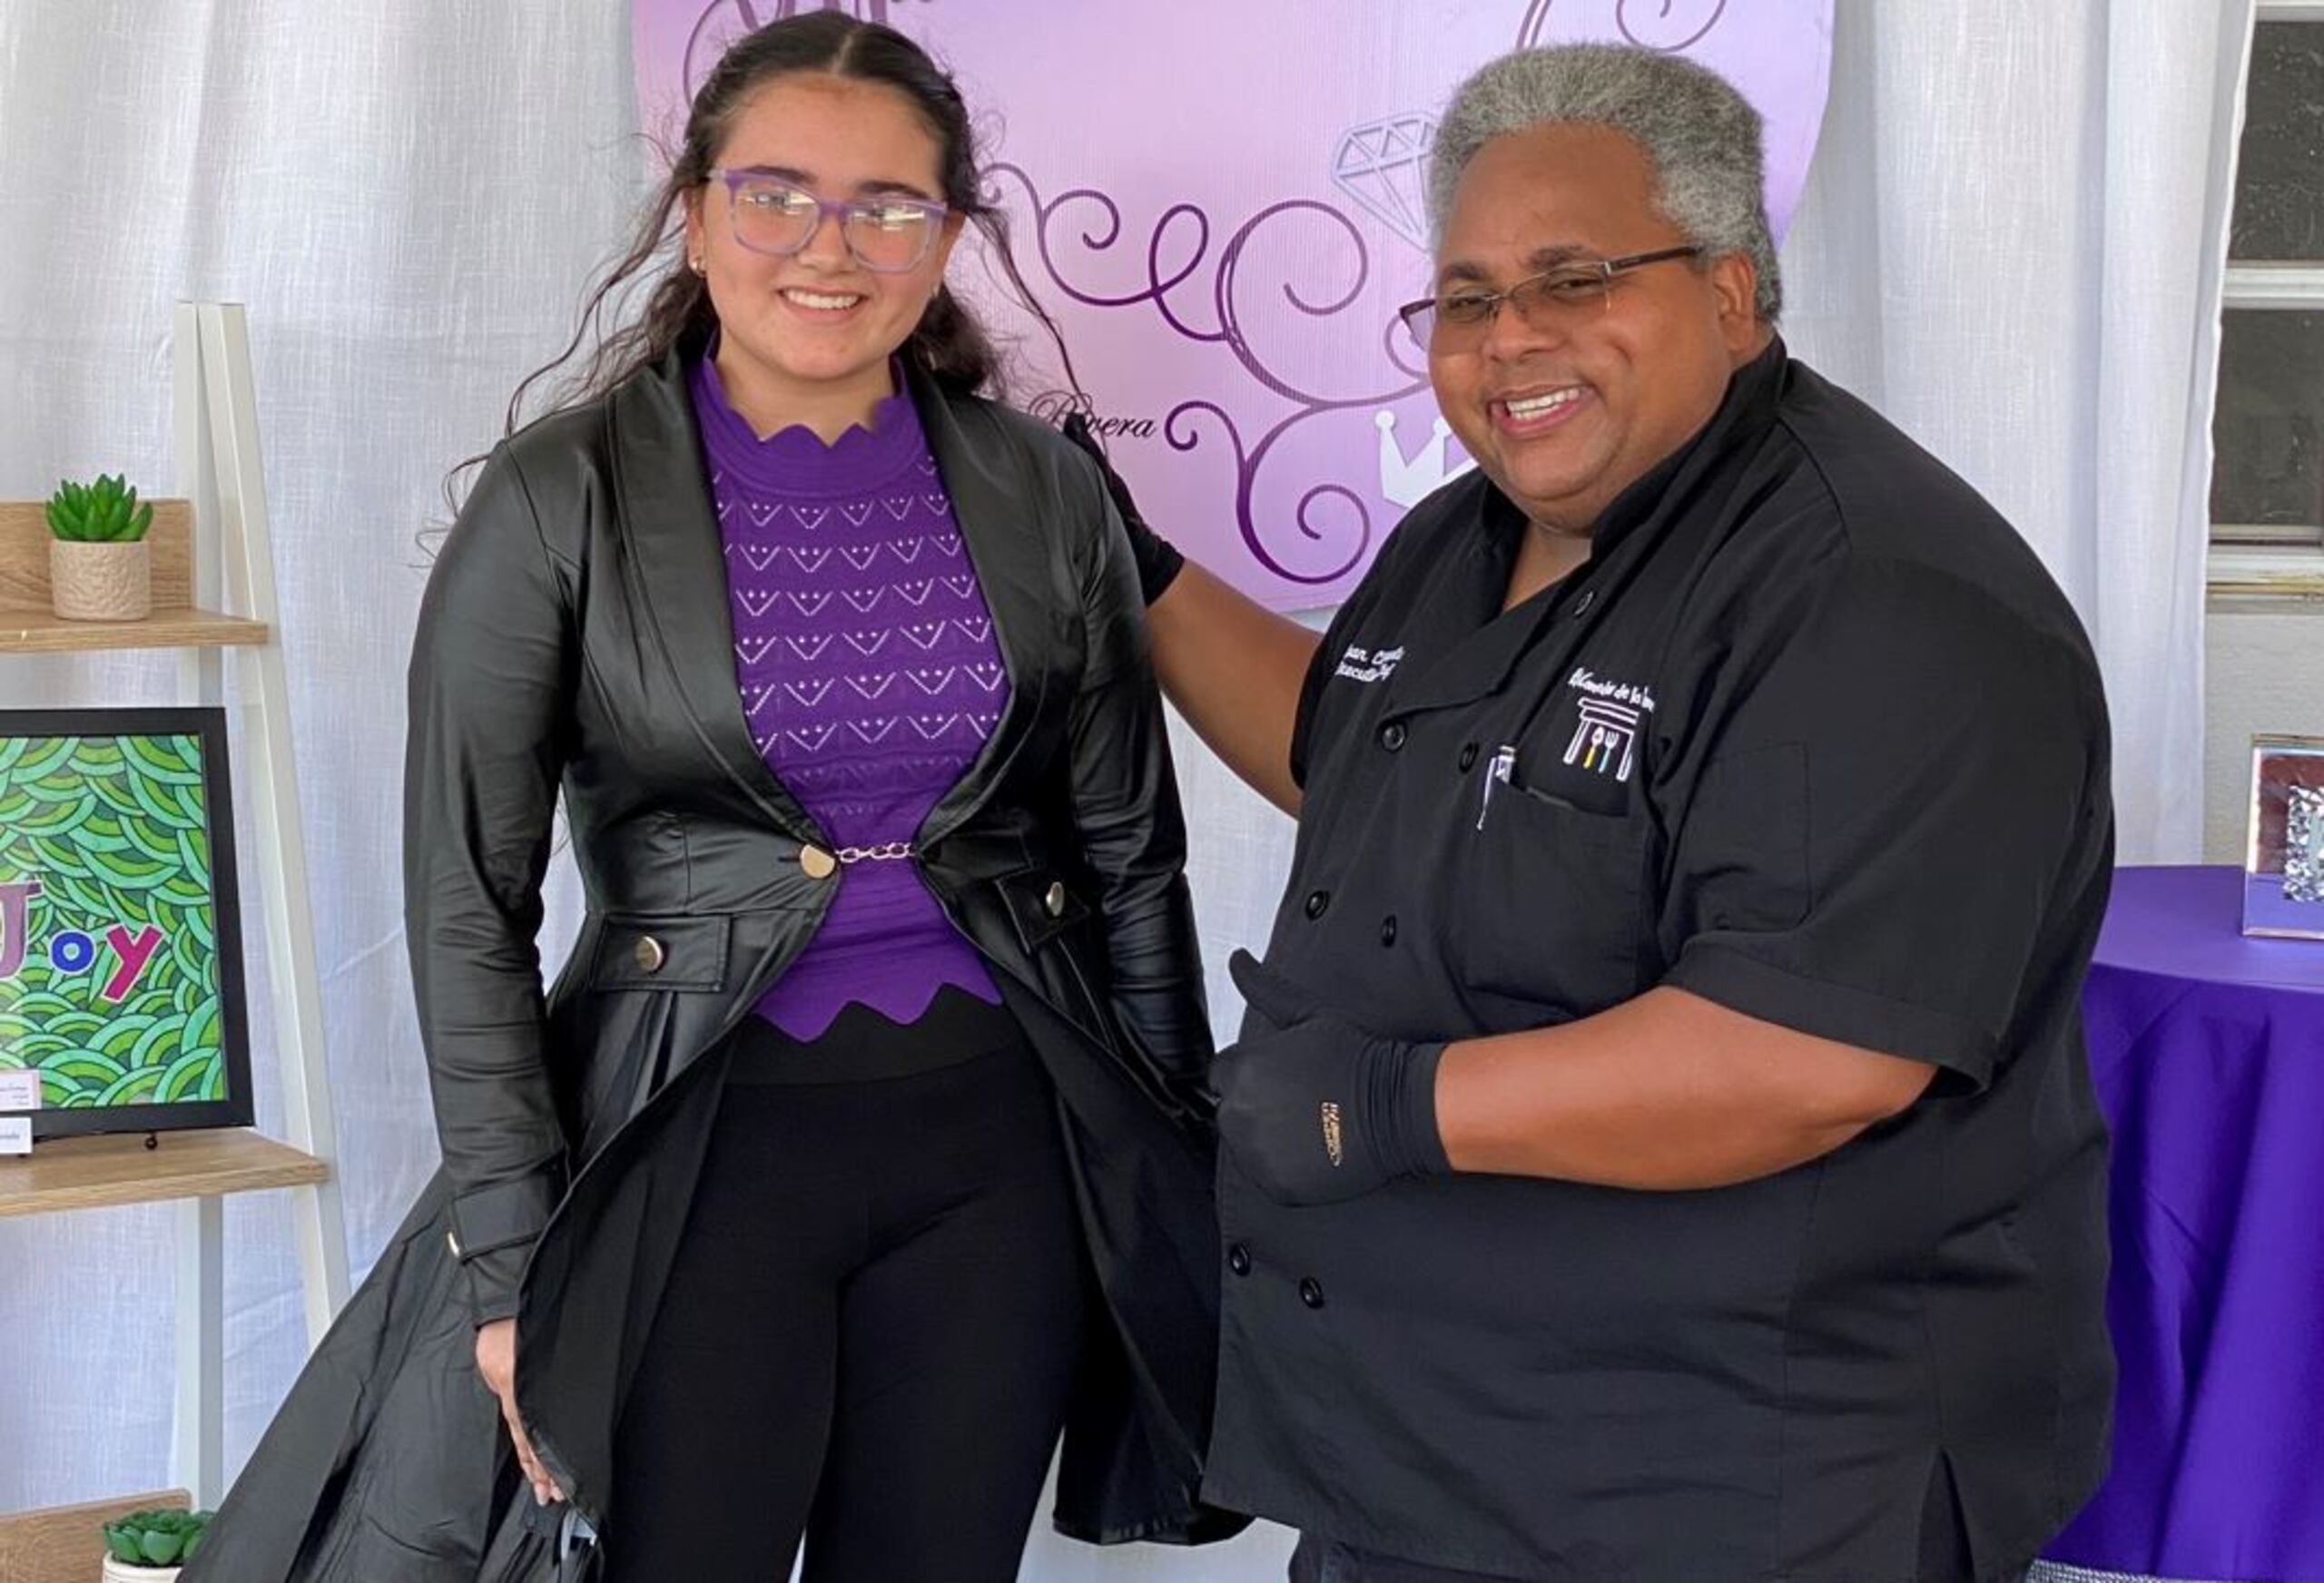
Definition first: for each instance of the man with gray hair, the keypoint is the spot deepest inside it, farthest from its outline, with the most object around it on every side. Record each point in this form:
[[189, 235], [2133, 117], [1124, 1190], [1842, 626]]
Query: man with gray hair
[[1660, 1147]]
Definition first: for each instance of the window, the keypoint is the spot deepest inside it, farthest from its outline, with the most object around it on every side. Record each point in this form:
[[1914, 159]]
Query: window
[[2267, 504]]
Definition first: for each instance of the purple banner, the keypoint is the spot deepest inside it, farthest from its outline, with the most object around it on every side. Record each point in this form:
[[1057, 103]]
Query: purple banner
[[1222, 202]]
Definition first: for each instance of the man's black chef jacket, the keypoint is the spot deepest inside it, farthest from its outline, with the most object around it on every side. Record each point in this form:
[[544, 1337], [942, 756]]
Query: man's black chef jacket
[[1814, 736]]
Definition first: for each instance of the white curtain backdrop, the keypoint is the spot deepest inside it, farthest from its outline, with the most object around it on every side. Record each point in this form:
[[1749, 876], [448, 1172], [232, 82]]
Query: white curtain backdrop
[[2011, 244]]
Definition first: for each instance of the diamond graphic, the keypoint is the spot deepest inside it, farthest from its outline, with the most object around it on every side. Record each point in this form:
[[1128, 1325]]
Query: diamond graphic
[[1384, 165]]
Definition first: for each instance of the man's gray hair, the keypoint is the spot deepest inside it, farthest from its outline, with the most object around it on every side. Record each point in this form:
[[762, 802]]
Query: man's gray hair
[[1701, 139]]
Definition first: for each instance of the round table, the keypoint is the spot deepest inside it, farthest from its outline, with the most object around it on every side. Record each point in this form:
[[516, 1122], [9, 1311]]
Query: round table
[[2207, 1053]]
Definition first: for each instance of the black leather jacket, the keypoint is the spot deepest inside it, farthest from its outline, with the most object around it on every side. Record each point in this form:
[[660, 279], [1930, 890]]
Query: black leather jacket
[[574, 637], [576, 631]]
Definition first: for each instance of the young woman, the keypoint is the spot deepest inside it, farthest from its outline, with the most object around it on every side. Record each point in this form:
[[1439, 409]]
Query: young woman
[[861, 1144]]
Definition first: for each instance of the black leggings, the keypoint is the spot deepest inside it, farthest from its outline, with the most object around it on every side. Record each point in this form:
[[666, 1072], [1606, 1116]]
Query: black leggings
[[868, 1337]]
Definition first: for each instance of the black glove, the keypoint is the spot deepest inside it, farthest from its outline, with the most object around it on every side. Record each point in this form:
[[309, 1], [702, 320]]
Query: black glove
[[1158, 561], [1320, 1110]]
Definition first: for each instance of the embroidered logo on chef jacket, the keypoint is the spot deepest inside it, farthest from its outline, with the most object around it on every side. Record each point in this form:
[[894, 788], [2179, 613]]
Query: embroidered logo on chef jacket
[[1605, 736], [1364, 664]]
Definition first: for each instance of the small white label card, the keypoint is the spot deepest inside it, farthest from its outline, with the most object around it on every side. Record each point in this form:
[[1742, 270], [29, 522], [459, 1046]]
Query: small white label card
[[19, 1089]]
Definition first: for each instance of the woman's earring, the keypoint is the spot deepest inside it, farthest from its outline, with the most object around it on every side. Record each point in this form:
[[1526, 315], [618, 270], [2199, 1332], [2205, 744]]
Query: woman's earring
[[695, 264]]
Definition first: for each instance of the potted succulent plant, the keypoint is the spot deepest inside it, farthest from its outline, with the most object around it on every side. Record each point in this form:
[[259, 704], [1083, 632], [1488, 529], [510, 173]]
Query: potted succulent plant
[[149, 1547], [98, 566]]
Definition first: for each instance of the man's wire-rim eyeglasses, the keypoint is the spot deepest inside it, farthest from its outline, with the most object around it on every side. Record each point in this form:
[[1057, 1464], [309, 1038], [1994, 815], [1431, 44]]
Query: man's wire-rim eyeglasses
[[1538, 299]]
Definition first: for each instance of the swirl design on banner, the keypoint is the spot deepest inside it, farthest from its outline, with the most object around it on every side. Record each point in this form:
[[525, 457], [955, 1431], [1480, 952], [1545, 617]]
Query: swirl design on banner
[[1658, 32], [1328, 514], [1237, 297], [722, 22]]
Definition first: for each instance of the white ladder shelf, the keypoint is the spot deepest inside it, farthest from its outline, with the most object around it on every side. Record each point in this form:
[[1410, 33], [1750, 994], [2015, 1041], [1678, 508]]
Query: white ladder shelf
[[228, 604]]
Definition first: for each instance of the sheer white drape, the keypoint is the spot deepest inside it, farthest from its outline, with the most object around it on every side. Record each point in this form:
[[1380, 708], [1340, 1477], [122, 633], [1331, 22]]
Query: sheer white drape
[[2011, 244], [408, 198]]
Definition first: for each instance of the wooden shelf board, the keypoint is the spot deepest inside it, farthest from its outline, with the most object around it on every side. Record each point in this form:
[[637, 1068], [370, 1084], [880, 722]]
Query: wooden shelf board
[[29, 626], [38, 632], [114, 1168], [62, 1544]]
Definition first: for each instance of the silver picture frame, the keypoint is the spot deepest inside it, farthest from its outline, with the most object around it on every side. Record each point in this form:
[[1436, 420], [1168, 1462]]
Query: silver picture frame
[[2283, 860]]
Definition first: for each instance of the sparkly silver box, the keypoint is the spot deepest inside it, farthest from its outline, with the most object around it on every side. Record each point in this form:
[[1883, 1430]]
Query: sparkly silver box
[[2283, 865], [2304, 846]]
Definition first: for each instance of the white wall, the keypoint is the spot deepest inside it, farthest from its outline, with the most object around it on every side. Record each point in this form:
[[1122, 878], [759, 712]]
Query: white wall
[[2263, 672]]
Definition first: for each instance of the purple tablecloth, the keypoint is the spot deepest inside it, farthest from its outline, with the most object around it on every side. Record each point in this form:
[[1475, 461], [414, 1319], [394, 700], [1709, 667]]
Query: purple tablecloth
[[2208, 1052]]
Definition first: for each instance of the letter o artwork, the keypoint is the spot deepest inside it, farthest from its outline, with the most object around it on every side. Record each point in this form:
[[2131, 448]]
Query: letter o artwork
[[71, 951]]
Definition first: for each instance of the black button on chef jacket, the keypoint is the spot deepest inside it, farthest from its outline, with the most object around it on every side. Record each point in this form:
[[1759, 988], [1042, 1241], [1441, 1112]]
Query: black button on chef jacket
[[1812, 735]]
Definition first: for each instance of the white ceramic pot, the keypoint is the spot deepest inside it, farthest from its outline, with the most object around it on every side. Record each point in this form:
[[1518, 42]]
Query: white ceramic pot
[[101, 582], [122, 1572]]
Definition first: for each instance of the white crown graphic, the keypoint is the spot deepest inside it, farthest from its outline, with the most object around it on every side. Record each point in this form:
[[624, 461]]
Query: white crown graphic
[[1406, 481]]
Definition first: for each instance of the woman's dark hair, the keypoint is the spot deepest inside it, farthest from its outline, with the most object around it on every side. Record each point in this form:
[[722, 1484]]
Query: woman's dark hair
[[947, 342]]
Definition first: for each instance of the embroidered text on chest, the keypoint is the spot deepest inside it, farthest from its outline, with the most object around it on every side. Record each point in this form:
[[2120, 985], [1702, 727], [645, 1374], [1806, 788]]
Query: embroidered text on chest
[[1605, 741], [1364, 664]]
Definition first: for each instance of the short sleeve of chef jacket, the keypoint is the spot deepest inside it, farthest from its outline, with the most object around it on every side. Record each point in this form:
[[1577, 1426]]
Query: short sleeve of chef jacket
[[1895, 776]]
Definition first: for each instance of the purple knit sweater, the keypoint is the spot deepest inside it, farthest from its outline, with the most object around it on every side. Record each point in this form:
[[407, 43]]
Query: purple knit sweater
[[868, 668]]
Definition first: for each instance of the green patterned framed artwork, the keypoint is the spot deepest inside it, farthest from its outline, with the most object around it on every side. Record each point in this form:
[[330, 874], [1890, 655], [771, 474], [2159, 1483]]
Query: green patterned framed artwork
[[121, 967]]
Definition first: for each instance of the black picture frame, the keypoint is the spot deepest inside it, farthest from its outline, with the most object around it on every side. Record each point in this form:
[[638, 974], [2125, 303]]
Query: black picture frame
[[208, 726]]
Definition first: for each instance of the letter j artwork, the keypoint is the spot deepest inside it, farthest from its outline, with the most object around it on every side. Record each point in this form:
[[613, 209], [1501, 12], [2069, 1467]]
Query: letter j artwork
[[73, 951]]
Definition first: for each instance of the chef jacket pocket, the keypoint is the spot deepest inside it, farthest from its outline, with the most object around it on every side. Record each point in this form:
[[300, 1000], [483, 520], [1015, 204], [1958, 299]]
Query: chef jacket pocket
[[1553, 905]]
